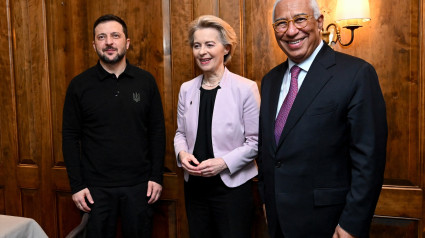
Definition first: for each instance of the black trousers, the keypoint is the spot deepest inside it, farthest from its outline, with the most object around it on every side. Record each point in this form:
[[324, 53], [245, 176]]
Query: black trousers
[[215, 210], [278, 232], [128, 203]]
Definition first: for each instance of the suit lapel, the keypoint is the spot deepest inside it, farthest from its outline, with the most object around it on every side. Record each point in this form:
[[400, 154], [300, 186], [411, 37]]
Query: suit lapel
[[316, 78], [274, 96]]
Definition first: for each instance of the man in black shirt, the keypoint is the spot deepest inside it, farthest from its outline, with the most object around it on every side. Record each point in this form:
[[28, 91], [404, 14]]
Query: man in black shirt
[[114, 137]]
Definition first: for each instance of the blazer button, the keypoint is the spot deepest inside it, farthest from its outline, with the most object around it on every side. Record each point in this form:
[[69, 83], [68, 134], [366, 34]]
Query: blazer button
[[278, 164]]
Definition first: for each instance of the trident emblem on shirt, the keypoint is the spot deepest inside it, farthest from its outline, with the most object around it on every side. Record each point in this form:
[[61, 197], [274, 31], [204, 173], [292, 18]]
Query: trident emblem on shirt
[[136, 97]]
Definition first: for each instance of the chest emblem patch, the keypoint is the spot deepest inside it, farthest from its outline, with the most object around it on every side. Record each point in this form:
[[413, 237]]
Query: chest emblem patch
[[136, 97]]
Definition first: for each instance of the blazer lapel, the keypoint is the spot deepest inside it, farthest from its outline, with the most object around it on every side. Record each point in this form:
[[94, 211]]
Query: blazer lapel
[[316, 78], [192, 103]]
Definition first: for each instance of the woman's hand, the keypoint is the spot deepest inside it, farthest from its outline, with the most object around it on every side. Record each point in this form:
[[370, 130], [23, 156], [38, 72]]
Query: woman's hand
[[212, 167], [189, 163]]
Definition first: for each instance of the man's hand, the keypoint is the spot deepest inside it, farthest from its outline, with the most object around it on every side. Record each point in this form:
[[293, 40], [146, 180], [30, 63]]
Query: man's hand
[[212, 167], [189, 163], [80, 201], [341, 233], [154, 191]]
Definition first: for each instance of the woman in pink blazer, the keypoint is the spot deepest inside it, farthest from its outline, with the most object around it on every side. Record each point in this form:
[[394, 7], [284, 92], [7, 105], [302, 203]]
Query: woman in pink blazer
[[217, 134]]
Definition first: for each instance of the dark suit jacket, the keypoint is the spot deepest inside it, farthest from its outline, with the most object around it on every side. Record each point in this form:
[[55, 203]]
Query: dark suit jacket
[[328, 167]]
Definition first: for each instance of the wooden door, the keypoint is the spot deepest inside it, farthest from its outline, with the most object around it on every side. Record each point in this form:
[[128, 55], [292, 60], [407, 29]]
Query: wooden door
[[45, 43]]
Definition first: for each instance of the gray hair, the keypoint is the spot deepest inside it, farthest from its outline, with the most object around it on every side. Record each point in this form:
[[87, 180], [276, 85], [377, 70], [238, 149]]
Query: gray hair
[[313, 4]]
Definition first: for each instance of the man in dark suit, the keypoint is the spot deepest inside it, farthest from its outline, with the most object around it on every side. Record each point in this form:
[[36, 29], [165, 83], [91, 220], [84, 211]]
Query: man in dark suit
[[323, 133]]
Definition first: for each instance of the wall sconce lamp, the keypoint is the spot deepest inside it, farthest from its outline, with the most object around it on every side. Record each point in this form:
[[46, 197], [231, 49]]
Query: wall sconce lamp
[[350, 14]]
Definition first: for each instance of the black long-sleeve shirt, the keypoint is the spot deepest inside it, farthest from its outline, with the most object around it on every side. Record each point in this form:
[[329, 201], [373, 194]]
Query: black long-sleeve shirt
[[113, 129]]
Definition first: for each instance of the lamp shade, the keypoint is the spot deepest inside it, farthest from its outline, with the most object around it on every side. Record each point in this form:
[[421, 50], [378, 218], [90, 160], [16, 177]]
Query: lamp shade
[[352, 12]]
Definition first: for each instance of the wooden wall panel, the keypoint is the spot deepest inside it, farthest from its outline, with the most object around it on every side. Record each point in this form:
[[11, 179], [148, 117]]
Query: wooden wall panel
[[60, 179], [29, 72], [181, 14], [68, 52], [182, 58], [2, 201], [205, 7], [68, 216], [30, 199], [45, 43], [28, 176], [33, 113], [400, 202], [232, 12], [167, 95], [8, 125], [262, 51], [421, 109], [390, 43], [165, 219], [385, 227]]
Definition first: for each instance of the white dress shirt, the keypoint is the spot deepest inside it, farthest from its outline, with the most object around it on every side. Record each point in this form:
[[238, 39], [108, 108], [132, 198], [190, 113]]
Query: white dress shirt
[[305, 66]]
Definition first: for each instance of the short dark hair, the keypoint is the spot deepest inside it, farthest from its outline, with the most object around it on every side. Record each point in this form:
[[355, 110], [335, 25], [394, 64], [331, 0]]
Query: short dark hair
[[110, 17]]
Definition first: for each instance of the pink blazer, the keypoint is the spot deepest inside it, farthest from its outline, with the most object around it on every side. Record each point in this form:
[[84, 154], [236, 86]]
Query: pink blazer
[[234, 125]]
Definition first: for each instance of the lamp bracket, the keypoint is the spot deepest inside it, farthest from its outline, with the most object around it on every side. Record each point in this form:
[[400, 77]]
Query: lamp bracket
[[325, 34]]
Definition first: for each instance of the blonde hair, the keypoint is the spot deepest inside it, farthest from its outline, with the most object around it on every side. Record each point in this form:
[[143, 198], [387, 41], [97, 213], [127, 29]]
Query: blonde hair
[[227, 34]]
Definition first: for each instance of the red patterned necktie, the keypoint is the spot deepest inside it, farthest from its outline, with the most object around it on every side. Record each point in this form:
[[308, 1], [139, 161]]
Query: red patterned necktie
[[287, 103]]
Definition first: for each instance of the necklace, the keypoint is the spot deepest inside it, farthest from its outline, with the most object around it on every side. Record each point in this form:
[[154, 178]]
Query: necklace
[[210, 85]]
